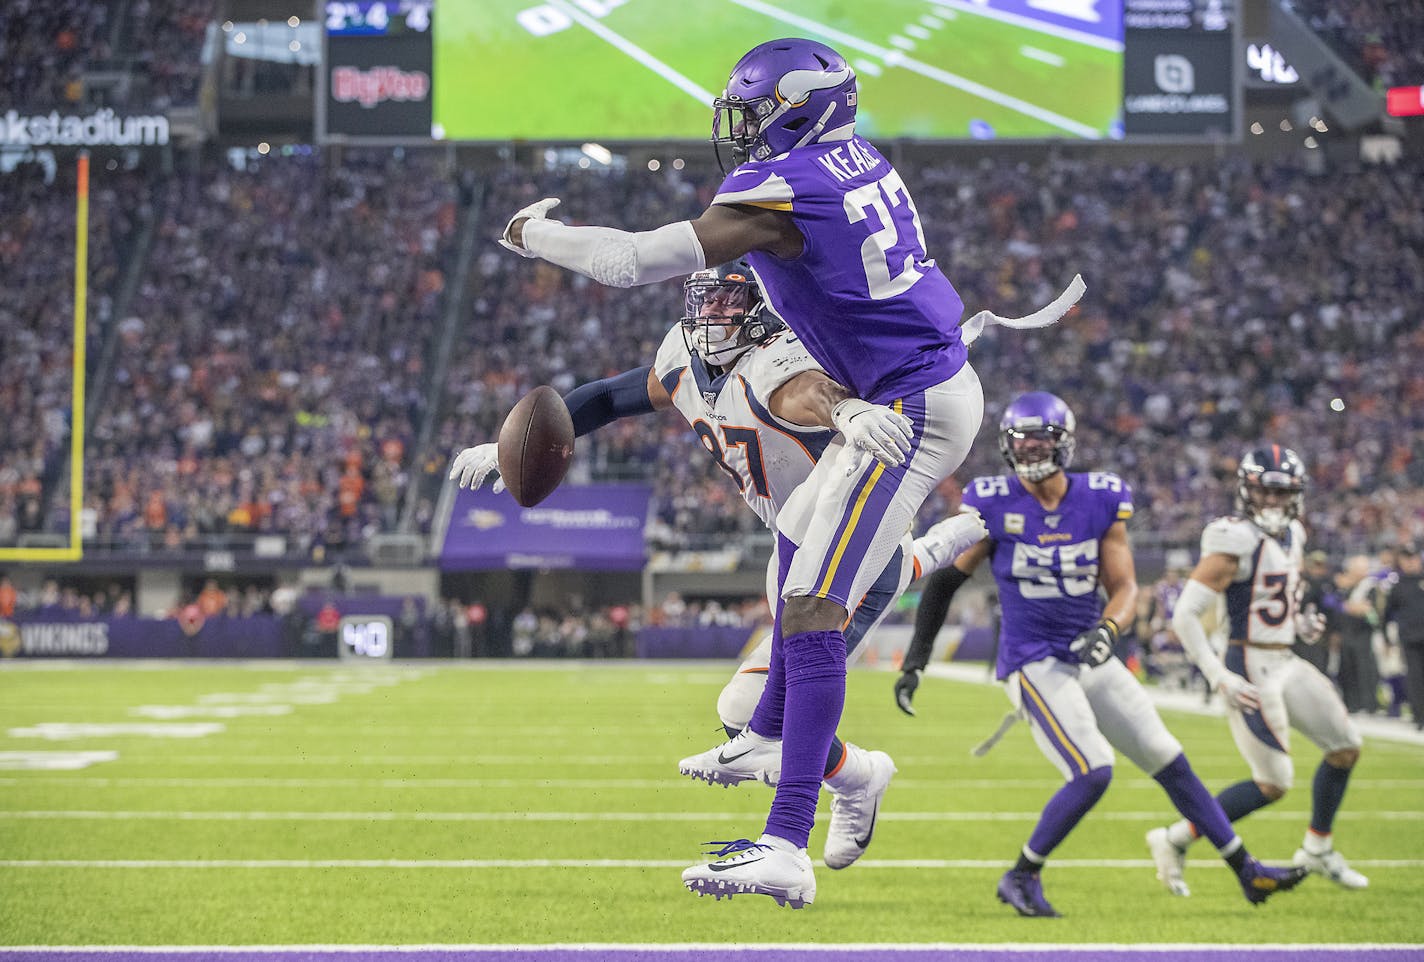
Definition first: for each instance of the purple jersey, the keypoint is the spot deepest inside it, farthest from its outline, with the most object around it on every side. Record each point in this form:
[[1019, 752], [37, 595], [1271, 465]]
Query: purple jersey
[[1046, 562], [867, 301]]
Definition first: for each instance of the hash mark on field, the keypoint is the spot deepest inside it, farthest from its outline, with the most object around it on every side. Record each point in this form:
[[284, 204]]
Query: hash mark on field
[[1042, 56], [618, 41]]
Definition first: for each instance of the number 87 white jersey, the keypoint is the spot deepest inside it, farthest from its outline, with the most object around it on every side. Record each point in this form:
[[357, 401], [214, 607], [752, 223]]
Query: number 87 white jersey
[[1262, 597], [766, 457]]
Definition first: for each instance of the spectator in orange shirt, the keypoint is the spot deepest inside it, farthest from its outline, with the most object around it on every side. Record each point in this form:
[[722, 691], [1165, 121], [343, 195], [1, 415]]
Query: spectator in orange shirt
[[212, 600], [8, 597]]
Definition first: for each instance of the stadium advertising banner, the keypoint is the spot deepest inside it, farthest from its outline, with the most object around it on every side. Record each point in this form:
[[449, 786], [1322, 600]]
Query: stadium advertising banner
[[378, 69], [1179, 69], [595, 527], [102, 128]]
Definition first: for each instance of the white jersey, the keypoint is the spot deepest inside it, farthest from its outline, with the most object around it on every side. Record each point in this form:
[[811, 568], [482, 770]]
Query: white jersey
[[766, 456], [1263, 596]]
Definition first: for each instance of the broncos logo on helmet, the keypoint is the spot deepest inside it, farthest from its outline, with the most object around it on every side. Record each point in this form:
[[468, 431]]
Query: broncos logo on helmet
[[724, 314], [1270, 487], [1036, 435], [781, 95]]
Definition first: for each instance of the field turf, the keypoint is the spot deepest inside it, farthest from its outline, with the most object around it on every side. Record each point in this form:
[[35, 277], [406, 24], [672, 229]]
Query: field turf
[[535, 804]]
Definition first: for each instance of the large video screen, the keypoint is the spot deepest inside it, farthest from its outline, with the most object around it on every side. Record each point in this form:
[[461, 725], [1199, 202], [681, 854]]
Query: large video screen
[[647, 70]]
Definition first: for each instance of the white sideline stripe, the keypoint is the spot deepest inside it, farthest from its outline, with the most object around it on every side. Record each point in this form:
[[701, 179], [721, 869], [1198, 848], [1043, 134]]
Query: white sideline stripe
[[493, 863], [1224, 948], [898, 59], [1042, 56], [1028, 23], [627, 46], [671, 782], [86, 815]]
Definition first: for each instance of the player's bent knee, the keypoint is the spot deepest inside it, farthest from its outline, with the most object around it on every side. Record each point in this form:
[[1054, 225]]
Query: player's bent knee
[[1098, 779], [805, 613], [1342, 758], [739, 698], [1273, 792]]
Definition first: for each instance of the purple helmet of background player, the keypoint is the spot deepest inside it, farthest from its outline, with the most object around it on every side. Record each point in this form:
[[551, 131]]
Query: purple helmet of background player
[[784, 94], [1036, 435], [1270, 487]]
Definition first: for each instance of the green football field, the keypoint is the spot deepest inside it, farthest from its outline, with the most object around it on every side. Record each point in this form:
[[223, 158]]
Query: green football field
[[646, 69], [521, 804]]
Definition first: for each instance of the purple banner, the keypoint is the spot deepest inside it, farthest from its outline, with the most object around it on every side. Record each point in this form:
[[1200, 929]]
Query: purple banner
[[1101, 19], [596, 526], [62, 635], [712, 641]]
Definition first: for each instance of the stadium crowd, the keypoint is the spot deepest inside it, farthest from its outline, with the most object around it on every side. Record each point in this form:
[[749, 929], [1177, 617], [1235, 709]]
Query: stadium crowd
[[270, 375], [1383, 39]]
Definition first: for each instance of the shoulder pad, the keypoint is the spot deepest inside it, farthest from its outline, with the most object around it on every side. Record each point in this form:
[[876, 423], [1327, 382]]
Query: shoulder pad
[[672, 355], [757, 186], [1234, 536], [770, 365]]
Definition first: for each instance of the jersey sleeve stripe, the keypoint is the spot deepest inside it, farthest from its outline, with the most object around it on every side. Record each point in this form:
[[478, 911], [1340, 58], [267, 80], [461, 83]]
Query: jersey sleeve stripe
[[784, 205], [672, 380], [765, 417]]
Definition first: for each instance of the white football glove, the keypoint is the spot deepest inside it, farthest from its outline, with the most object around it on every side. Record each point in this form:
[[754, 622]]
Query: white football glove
[[473, 465], [1309, 625], [1238, 692], [539, 210], [874, 429]]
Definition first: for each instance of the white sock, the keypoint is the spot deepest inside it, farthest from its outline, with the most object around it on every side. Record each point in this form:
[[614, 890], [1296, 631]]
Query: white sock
[[854, 772], [1316, 844], [778, 843]]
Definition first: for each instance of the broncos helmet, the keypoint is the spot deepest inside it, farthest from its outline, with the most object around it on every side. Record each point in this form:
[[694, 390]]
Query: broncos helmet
[[724, 314], [1266, 471], [784, 94], [1036, 435]]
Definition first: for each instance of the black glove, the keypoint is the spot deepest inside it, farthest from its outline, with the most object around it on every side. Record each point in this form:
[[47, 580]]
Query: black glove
[[1095, 646], [905, 687]]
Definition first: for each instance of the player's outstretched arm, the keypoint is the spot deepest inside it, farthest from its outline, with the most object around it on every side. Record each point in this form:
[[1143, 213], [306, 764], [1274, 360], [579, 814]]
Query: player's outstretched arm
[[1200, 594], [1119, 579], [813, 399], [590, 405], [939, 591], [613, 257]]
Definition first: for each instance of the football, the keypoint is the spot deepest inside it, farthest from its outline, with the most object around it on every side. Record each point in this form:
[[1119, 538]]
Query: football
[[536, 444]]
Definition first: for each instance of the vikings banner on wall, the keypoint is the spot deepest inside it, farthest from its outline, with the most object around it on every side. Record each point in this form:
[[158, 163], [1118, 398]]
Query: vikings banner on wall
[[598, 527]]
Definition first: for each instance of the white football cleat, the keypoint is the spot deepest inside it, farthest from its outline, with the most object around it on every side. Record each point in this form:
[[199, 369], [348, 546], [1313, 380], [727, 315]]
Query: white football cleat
[[853, 814], [755, 868], [746, 758], [1171, 862], [951, 537], [1333, 866]]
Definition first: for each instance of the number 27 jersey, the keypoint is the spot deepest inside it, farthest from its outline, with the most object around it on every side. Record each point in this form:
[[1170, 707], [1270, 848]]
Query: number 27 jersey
[[866, 299], [1045, 562]]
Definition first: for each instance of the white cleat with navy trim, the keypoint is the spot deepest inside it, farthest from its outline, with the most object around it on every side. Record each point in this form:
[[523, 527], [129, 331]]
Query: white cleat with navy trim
[[769, 866], [748, 757], [853, 814], [1171, 862]]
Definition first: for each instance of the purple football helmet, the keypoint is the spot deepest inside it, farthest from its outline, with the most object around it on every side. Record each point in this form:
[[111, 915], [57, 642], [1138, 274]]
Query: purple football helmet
[[784, 94], [1036, 435]]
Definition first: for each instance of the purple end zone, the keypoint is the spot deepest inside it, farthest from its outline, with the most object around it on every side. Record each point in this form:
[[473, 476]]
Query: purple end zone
[[1057, 953]]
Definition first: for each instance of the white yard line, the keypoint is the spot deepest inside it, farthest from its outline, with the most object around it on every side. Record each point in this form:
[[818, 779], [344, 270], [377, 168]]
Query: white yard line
[[897, 58], [628, 47], [501, 863], [95, 815]]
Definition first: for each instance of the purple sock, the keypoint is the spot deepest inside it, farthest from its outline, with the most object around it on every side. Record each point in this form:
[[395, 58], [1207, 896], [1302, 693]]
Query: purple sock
[[771, 707], [1195, 803], [1066, 809], [815, 695], [1327, 794]]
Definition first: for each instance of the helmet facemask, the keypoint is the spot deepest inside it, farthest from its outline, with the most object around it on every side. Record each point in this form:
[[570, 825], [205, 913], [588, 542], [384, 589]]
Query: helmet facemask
[[1272, 503], [723, 316], [1037, 453]]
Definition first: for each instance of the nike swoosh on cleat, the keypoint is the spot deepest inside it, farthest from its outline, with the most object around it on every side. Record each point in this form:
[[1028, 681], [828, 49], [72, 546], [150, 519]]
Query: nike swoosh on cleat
[[864, 842], [724, 866], [722, 759]]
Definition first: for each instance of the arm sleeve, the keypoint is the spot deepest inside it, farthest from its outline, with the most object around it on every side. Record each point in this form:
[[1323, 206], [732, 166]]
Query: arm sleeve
[[1196, 600], [615, 257], [598, 403], [929, 617]]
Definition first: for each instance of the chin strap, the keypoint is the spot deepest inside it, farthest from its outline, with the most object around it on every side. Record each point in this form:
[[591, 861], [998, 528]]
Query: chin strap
[[970, 330]]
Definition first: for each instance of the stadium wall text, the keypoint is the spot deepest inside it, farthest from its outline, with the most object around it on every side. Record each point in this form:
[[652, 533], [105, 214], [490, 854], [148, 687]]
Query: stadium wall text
[[102, 128]]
